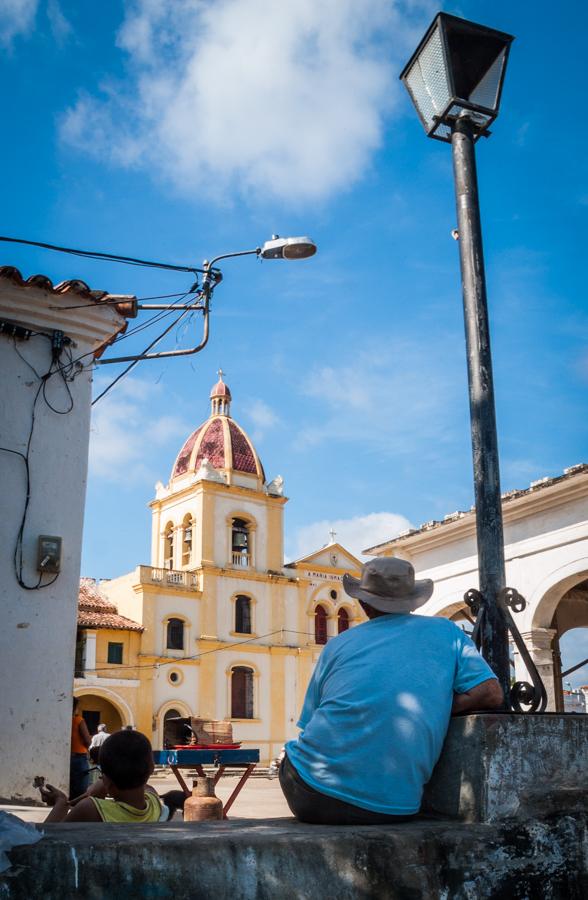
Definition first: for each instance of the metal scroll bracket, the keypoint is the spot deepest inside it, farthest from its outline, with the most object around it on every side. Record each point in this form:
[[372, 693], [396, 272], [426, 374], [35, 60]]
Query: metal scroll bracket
[[523, 697]]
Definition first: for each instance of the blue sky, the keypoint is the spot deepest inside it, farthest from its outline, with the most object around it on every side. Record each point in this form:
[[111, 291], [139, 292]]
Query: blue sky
[[181, 130]]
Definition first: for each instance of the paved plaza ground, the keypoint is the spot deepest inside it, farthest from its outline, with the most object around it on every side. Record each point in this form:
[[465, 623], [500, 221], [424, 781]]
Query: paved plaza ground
[[261, 798]]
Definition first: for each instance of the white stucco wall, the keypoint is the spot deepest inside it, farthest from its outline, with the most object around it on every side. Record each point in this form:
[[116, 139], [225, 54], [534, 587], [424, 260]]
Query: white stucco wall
[[37, 638]]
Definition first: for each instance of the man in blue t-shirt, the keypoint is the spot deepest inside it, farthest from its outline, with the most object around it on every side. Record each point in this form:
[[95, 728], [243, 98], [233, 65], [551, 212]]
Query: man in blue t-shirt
[[378, 705]]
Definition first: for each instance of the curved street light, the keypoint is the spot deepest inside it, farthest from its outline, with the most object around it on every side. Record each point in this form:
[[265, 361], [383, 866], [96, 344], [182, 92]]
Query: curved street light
[[290, 248]]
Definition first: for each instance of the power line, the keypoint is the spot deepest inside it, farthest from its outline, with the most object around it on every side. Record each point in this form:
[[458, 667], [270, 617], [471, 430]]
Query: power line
[[146, 350], [96, 254], [176, 660]]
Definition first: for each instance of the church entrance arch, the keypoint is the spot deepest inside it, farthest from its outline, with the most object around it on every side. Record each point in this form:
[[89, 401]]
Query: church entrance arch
[[96, 709], [170, 732]]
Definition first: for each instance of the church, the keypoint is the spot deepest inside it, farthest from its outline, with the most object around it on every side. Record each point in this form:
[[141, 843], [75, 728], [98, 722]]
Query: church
[[216, 625]]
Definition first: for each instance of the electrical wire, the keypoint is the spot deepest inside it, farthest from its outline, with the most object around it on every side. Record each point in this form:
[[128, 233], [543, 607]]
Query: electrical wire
[[180, 659], [96, 254], [58, 346], [132, 364], [152, 320]]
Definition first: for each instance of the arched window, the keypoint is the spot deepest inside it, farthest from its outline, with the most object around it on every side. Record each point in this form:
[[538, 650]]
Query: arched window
[[168, 546], [240, 543], [243, 615], [342, 620], [187, 538], [320, 625], [241, 693], [175, 634]]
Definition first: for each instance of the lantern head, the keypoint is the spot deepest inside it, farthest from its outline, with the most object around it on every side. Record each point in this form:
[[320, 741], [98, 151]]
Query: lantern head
[[458, 68]]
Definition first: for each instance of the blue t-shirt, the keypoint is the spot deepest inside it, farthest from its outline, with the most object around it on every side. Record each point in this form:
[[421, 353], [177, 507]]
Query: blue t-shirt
[[377, 709]]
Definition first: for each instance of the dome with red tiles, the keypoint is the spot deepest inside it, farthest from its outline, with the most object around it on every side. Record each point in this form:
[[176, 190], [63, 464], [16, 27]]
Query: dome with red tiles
[[220, 440]]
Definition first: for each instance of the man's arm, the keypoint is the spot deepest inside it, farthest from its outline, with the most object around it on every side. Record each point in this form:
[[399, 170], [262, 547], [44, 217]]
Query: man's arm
[[85, 734], [486, 695]]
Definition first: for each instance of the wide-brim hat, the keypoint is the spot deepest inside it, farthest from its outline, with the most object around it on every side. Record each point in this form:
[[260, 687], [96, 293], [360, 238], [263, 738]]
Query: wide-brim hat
[[389, 586]]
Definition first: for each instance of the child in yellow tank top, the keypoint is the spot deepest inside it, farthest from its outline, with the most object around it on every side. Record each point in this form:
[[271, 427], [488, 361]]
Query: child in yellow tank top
[[115, 811], [122, 794]]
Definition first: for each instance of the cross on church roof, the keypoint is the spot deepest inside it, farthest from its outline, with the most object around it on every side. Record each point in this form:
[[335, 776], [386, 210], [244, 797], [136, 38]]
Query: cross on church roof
[[332, 535]]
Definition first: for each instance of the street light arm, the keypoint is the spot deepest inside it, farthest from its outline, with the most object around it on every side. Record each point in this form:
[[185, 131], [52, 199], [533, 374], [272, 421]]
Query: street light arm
[[208, 265], [165, 353]]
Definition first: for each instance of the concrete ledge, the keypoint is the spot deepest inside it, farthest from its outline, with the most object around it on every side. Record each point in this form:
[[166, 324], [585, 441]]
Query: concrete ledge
[[498, 765], [281, 858]]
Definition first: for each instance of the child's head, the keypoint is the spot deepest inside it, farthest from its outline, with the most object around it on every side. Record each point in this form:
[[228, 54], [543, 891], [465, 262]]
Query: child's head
[[126, 759]]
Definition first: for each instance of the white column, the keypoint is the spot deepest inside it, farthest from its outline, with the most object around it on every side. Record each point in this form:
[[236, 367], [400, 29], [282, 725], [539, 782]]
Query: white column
[[538, 643]]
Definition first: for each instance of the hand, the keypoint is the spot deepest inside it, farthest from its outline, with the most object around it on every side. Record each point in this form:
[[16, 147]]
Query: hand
[[52, 795]]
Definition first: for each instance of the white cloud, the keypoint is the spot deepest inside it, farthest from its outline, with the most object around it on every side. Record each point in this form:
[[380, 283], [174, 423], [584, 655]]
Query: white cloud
[[16, 17], [354, 534], [121, 424], [398, 402], [60, 26], [263, 98], [262, 416]]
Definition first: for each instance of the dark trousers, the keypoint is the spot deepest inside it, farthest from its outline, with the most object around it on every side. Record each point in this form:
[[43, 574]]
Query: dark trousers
[[78, 774], [309, 805]]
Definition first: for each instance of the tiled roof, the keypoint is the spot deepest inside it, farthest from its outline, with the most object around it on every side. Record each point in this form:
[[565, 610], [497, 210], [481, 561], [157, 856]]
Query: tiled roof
[[79, 290], [211, 441], [508, 496], [243, 458], [212, 446], [183, 460], [95, 611]]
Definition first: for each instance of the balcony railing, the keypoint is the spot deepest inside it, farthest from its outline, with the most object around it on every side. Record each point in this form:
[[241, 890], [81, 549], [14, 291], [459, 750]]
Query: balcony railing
[[171, 578], [242, 560]]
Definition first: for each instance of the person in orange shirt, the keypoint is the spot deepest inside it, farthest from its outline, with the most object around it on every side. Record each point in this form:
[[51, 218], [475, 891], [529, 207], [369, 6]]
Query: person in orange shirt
[[78, 765]]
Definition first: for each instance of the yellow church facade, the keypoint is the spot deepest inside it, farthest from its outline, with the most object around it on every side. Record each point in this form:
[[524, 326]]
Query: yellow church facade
[[227, 631]]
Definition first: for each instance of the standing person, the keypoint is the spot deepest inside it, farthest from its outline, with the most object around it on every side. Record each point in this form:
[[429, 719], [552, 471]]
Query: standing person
[[80, 742], [100, 736], [378, 705]]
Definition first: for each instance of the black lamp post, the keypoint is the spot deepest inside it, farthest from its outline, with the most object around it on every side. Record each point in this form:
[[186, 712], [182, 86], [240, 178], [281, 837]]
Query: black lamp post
[[455, 80]]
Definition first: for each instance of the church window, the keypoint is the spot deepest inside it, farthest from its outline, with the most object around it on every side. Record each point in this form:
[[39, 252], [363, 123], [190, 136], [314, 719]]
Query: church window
[[243, 615], [168, 546], [320, 625], [175, 634], [242, 692], [240, 543], [342, 620], [115, 653], [187, 539]]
